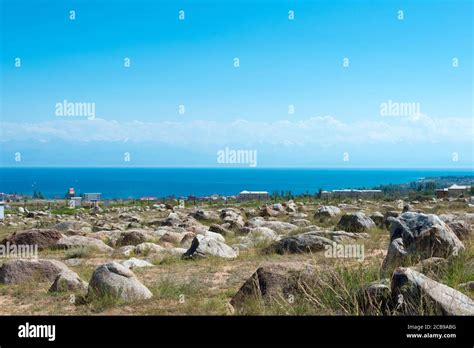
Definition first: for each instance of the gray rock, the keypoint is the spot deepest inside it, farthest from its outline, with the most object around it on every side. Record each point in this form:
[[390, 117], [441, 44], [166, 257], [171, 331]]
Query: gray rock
[[278, 226], [232, 217], [24, 270], [425, 235], [203, 246], [68, 225], [220, 229], [201, 214], [326, 212], [375, 298], [42, 238], [417, 290], [150, 248], [136, 263], [340, 236], [68, 281], [262, 234], [131, 238], [378, 219], [81, 241], [461, 228], [270, 283], [216, 236], [115, 280], [467, 286], [355, 222], [301, 243]]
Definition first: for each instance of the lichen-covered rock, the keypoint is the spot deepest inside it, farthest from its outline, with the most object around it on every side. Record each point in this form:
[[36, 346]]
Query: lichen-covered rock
[[418, 236]]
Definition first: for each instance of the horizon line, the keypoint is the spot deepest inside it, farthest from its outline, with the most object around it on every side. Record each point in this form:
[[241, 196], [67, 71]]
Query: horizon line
[[236, 167]]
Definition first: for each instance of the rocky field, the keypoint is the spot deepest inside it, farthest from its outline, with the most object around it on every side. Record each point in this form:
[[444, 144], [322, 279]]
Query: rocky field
[[288, 258]]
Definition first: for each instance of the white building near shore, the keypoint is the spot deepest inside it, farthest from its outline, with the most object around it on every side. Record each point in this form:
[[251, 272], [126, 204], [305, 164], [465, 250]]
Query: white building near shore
[[349, 193], [253, 195]]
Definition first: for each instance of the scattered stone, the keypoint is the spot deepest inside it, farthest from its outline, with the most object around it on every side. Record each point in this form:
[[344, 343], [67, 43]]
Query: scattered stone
[[375, 298], [43, 238], [202, 214], [67, 281], [416, 289], [270, 283], [131, 238], [355, 222], [24, 270], [148, 248], [219, 229], [378, 218], [461, 228], [301, 243], [136, 263], [278, 226], [467, 286], [203, 246], [232, 217], [418, 236], [216, 236], [115, 280], [68, 242], [326, 212]]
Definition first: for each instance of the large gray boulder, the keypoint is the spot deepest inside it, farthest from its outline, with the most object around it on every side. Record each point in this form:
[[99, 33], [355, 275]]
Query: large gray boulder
[[24, 270], [275, 282], [326, 212], [300, 243], [414, 289], [418, 236], [232, 218], [116, 281], [68, 242], [355, 222], [42, 238], [203, 246], [131, 238]]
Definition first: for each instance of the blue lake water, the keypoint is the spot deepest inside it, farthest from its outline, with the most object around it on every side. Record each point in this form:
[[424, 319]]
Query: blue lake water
[[161, 182]]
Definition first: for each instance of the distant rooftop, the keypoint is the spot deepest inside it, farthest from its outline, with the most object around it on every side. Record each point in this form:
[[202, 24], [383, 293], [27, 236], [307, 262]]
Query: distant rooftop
[[458, 187], [254, 192]]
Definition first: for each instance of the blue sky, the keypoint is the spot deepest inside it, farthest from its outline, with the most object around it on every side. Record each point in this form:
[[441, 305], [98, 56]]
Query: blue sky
[[282, 63]]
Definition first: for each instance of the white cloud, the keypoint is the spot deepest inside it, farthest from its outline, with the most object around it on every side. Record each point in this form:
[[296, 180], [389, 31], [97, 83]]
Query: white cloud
[[324, 131]]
